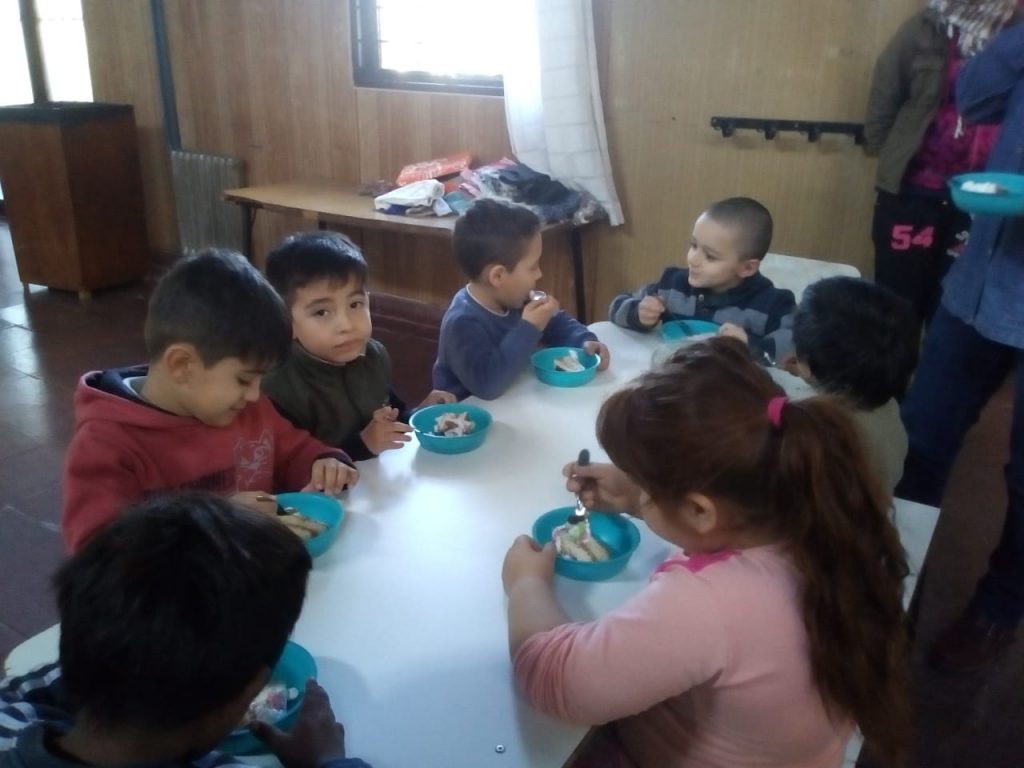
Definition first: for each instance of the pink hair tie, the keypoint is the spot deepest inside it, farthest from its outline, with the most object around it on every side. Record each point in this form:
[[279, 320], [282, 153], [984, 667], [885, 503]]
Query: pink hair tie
[[775, 406]]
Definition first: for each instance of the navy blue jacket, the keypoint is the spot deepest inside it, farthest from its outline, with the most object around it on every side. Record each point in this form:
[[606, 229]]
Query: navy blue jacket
[[755, 305], [481, 353]]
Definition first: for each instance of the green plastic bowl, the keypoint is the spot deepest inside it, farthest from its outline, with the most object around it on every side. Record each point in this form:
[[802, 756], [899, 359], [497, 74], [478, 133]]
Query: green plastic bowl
[[422, 423], [324, 509], [616, 532], [544, 366], [1009, 203], [293, 669], [678, 330]]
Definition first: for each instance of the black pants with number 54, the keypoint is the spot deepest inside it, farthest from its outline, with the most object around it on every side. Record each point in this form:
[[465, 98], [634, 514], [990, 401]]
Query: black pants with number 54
[[916, 238]]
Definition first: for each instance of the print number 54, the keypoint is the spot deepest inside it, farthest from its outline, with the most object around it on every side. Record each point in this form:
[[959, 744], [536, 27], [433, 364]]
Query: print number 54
[[903, 237]]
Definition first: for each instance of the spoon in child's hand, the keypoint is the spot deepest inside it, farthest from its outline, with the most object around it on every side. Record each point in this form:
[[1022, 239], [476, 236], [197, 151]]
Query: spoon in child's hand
[[580, 513]]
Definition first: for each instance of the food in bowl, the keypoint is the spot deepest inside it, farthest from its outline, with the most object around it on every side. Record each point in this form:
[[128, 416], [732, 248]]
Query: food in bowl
[[452, 424], [984, 188], [270, 704], [576, 542], [473, 418], [616, 532], [569, 362]]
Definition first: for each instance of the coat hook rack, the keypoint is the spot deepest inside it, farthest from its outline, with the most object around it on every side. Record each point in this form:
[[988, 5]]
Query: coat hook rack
[[813, 129]]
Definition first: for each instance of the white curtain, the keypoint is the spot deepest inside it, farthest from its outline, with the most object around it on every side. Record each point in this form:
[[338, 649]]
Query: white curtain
[[553, 97]]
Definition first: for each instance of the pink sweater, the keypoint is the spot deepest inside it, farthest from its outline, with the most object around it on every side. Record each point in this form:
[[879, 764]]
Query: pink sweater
[[706, 667]]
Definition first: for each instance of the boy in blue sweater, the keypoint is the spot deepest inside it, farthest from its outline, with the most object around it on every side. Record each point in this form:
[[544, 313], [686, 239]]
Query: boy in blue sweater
[[721, 283], [493, 325]]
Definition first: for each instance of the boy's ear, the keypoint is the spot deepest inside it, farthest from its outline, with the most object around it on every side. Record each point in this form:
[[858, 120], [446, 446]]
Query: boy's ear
[[749, 267], [179, 360], [701, 512], [495, 273]]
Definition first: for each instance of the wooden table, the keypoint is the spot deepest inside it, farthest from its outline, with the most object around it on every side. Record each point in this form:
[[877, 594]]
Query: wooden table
[[334, 203], [405, 614]]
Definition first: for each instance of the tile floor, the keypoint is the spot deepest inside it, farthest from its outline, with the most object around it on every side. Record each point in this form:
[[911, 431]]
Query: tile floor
[[47, 339]]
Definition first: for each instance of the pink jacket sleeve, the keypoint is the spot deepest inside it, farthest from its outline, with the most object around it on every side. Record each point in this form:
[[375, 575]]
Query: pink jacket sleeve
[[660, 644], [295, 450]]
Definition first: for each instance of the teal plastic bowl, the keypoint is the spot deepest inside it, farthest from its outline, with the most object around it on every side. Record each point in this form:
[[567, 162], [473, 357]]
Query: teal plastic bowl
[[321, 508], [678, 330], [293, 669], [616, 532], [1008, 203], [422, 423], [544, 366]]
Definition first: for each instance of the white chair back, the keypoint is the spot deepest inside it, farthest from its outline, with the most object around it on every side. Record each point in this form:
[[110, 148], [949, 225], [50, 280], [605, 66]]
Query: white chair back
[[796, 273]]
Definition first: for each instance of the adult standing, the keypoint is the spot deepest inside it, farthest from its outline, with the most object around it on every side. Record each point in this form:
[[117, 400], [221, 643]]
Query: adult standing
[[913, 125], [975, 341]]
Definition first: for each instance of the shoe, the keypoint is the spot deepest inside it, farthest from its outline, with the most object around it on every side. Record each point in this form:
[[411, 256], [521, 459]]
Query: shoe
[[970, 643]]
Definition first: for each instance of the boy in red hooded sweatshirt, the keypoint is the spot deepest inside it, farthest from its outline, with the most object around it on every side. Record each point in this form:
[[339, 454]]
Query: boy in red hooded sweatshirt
[[194, 417]]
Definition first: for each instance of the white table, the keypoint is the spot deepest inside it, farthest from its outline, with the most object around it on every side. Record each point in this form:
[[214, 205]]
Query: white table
[[406, 615]]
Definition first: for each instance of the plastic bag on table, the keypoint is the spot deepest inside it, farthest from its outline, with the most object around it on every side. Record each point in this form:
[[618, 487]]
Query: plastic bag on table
[[419, 193]]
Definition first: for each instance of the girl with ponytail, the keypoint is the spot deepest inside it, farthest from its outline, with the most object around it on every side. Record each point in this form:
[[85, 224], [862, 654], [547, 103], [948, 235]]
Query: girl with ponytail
[[779, 624]]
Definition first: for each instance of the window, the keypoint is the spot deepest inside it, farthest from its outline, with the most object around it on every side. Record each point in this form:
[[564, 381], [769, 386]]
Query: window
[[58, 53], [451, 46], [15, 82], [65, 58]]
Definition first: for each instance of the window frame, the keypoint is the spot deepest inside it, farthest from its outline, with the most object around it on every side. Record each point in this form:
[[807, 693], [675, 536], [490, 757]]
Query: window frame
[[367, 72]]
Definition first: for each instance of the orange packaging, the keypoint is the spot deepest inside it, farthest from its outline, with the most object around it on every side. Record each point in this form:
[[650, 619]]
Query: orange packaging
[[434, 169]]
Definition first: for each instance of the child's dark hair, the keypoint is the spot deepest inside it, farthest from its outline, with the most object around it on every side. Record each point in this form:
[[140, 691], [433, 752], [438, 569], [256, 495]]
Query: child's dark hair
[[751, 219], [220, 304], [307, 257], [171, 611], [858, 339], [700, 424], [492, 232]]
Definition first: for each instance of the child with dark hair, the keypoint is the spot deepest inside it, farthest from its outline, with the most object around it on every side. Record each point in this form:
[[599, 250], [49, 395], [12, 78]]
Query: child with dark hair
[[496, 322], [171, 619], [336, 379], [194, 417], [721, 283], [859, 341], [777, 627]]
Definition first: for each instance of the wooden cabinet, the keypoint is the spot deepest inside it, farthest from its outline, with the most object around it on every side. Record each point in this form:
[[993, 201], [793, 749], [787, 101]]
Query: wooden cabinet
[[73, 191]]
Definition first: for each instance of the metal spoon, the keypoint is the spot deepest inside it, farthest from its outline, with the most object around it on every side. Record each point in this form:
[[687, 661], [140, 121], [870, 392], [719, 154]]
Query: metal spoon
[[579, 514]]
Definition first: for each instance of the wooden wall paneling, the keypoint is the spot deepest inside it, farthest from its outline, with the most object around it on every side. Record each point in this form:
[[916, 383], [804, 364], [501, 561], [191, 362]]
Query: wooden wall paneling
[[270, 81], [271, 84], [425, 269], [122, 62], [401, 127], [761, 58], [418, 268], [343, 143]]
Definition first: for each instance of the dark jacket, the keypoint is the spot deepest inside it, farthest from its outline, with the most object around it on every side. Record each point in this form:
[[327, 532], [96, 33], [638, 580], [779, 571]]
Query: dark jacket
[[906, 91], [334, 402], [35, 705], [755, 305]]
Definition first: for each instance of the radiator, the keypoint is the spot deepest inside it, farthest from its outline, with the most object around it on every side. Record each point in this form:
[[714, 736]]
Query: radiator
[[205, 220]]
